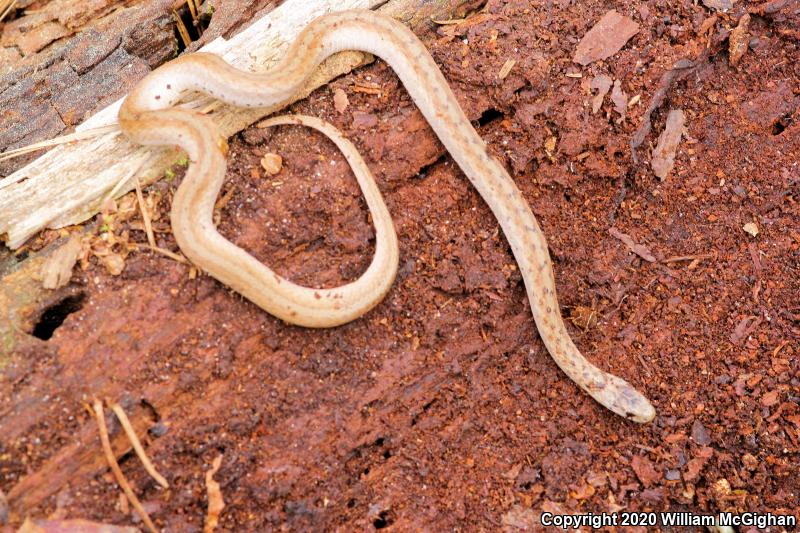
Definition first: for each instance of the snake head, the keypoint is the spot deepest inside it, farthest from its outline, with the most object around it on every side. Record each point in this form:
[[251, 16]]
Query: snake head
[[623, 399]]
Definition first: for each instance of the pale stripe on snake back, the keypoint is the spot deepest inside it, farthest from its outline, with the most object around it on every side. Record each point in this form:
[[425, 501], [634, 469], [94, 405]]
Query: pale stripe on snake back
[[144, 118]]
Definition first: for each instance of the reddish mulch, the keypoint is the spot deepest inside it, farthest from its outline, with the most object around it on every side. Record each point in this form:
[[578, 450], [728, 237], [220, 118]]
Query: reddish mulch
[[441, 409]]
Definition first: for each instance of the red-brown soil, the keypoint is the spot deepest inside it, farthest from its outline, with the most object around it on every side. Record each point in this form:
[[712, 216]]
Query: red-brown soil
[[441, 409]]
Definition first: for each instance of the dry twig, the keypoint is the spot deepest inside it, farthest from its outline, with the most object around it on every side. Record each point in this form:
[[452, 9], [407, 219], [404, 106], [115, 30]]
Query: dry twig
[[5, 8], [215, 502], [118, 475], [148, 226], [137, 445]]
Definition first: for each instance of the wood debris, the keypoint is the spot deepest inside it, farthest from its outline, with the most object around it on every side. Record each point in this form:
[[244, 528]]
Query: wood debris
[[606, 38], [600, 83], [137, 445], [340, 101], [506, 68], [664, 152], [57, 270], [122, 481], [620, 99], [71, 525], [215, 502], [680, 69], [719, 5], [639, 249], [5, 8], [271, 163], [751, 228], [739, 39]]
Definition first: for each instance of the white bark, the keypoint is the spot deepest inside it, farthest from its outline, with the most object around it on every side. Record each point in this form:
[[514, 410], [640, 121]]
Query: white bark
[[67, 184]]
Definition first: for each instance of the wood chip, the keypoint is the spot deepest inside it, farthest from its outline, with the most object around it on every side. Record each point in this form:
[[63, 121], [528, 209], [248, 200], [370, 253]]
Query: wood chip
[[739, 39], [57, 270], [751, 228], [600, 83], [114, 263], [719, 5], [215, 502], [744, 328], [606, 38], [770, 398], [619, 98], [506, 68], [644, 470], [640, 250], [664, 152], [272, 163], [71, 525], [340, 101]]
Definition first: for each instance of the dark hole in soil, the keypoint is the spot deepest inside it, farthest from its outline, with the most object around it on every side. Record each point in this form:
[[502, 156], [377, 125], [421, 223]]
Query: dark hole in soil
[[780, 125], [54, 316], [387, 454], [489, 115], [383, 520], [351, 503]]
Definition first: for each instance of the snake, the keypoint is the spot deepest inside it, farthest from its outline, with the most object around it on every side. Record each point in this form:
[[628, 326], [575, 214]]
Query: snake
[[149, 116]]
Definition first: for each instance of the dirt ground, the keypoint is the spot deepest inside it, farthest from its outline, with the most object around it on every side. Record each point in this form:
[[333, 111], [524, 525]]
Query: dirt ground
[[441, 409]]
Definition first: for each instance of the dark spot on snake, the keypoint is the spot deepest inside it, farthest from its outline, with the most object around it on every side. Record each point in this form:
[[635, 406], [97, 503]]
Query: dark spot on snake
[[317, 296], [158, 97], [169, 86]]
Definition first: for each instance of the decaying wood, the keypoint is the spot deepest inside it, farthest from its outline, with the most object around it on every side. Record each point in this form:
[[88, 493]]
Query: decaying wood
[[67, 185]]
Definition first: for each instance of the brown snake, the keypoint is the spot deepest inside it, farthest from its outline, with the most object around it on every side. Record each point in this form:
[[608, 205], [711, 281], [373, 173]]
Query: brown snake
[[145, 118]]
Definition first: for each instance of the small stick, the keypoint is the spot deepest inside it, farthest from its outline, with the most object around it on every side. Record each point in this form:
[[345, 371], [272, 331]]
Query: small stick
[[175, 257], [215, 502], [148, 227], [680, 258], [5, 10], [112, 463], [137, 445], [182, 31]]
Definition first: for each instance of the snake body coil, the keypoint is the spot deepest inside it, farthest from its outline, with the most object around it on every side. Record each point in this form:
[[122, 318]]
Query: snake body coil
[[145, 118]]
